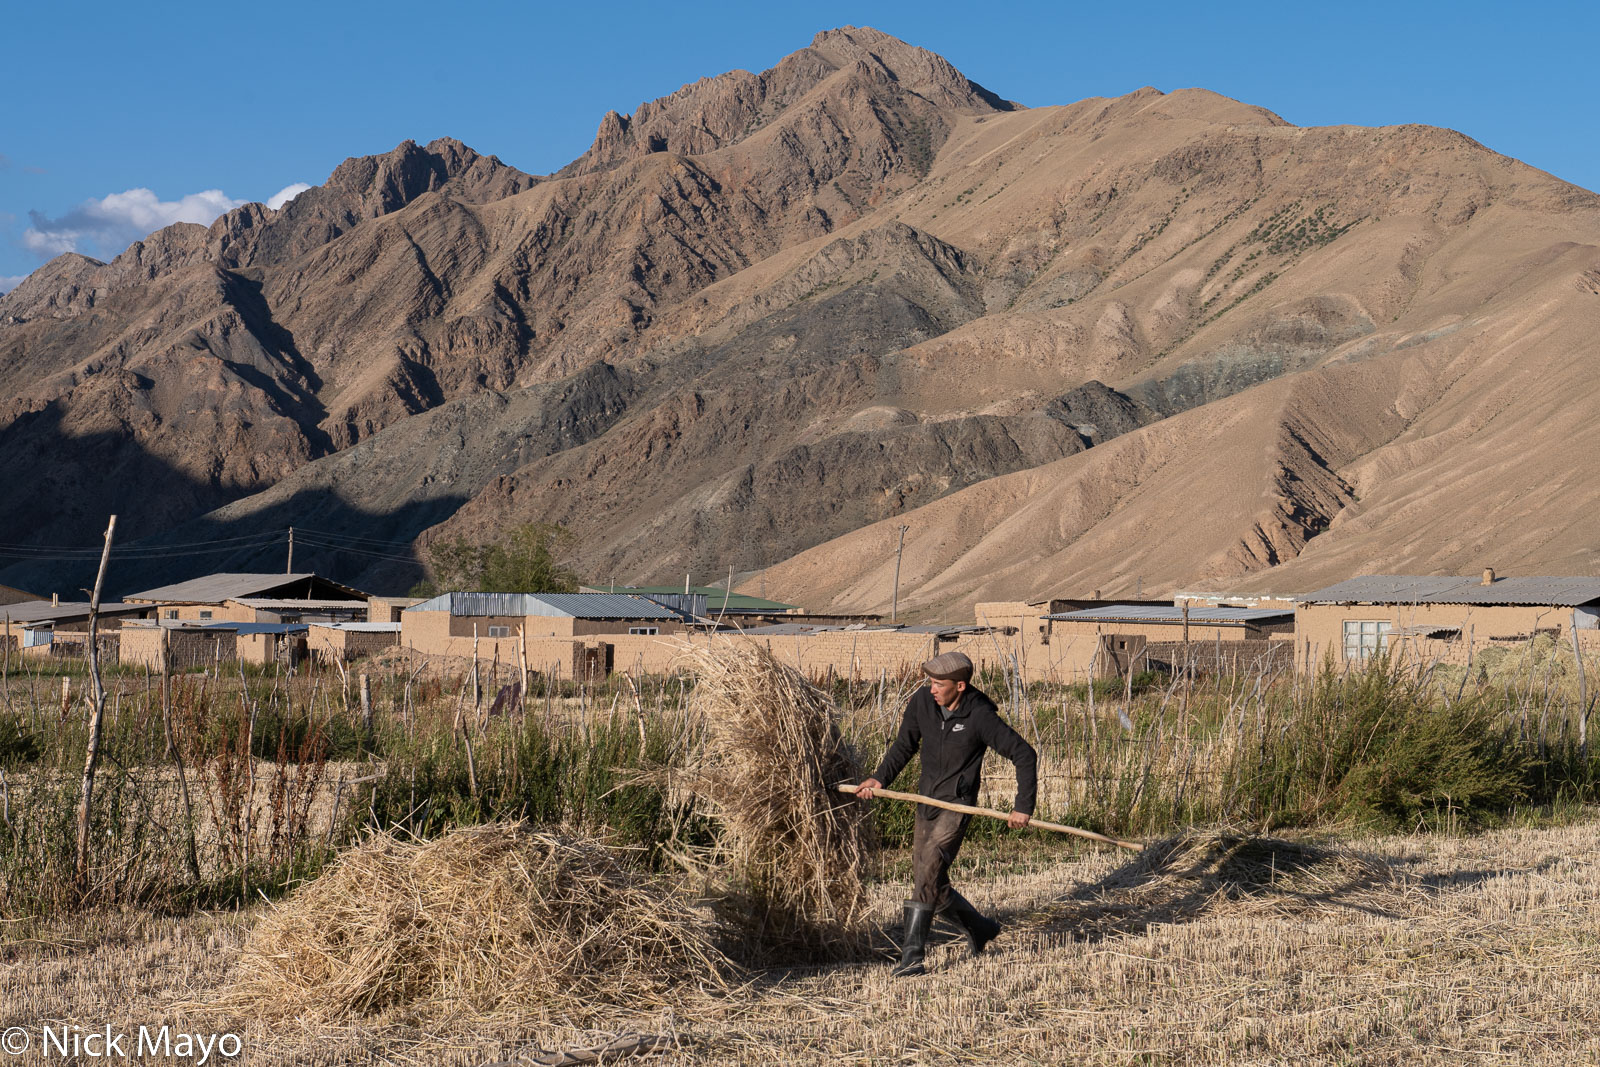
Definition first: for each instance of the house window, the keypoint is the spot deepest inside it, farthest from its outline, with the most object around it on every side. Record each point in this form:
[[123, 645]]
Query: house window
[[1363, 638], [205, 614], [499, 631], [647, 630], [170, 613]]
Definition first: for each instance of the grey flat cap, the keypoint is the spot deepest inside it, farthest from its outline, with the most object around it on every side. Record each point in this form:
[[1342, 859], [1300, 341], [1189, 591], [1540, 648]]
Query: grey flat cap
[[949, 666]]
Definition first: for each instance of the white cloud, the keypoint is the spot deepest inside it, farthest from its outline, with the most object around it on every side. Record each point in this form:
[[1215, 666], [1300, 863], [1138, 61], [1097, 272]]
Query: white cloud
[[110, 224], [10, 282], [286, 194]]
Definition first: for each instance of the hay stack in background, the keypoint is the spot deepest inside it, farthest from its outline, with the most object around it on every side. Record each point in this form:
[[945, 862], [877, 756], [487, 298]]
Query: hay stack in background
[[792, 850], [488, 918]]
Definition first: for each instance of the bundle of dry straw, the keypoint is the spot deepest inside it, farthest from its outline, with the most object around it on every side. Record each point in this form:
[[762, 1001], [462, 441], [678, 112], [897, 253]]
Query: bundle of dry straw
[[484, 919], [792, 851]]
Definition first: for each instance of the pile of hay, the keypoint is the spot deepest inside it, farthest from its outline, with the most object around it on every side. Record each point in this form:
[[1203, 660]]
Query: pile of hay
[[792, 852], [1194, 873], [484, 919]]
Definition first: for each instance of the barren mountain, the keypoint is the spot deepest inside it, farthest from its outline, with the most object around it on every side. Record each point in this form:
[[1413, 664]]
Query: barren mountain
[[1159, 340]]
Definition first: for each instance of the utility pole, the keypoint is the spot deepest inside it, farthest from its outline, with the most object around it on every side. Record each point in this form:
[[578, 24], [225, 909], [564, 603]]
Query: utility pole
[[894, 610], [289, 567]]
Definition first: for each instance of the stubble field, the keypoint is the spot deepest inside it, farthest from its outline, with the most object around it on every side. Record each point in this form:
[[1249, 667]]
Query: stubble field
[[1479, 949]]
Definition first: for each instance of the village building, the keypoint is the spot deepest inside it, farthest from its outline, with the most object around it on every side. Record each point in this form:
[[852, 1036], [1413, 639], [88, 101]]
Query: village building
[[388, 608], [1114, 640], [559, 634], [1442, 618], [8, 595], [1281, 601], [180, 645], [738, 610], [342, 642], [61, 628], [1027, 617], [263, 598]]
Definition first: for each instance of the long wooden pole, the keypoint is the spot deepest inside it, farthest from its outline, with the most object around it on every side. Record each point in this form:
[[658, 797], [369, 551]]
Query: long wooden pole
[[92, 756], [947, 805]]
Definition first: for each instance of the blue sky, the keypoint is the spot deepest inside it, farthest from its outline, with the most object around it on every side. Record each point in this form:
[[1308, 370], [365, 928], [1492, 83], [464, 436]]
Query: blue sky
[[117, 117]]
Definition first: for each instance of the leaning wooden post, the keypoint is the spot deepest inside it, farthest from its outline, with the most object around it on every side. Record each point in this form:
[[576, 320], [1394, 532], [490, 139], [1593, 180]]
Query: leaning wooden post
[[92, 757], [1583, 695], [366, 704]]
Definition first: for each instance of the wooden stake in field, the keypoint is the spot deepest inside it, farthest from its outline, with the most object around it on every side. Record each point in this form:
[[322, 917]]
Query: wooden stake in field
[[92, 757], [948, 805]]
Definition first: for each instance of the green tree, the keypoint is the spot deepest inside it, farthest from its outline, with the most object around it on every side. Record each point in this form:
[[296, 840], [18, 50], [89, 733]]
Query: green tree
[[528, 560]]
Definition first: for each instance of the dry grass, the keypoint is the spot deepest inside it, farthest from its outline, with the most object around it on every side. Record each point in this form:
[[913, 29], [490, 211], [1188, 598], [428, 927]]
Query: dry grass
[[1474, 950], [476, 921], [793, 851]]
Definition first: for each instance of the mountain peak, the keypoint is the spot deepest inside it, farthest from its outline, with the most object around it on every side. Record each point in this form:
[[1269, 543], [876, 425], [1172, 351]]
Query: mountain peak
[[715, 112]]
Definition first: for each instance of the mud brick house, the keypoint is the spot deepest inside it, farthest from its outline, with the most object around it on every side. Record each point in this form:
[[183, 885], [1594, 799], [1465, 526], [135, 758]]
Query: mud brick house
[[1443, 618], [1110, 641], [562, 634], [58, 627], [345, 641], [263, 598]]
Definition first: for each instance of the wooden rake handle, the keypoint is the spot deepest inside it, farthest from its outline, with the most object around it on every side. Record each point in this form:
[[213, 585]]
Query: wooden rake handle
[[968, 809]]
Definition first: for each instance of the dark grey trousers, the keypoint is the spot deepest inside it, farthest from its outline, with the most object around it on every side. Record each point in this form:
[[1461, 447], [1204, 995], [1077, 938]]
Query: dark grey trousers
[[934, 844]]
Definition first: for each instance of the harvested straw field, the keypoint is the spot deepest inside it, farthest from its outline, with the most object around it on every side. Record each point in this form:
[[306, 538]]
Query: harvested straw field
[[1396, 950], [438, 876]]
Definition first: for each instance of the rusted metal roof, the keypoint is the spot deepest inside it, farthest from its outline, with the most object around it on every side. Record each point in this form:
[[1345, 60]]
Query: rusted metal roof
[[1565, 592]]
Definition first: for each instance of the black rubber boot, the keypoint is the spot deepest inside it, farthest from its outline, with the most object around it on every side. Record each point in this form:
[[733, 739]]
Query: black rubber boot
[[979, 928], [919, 919]]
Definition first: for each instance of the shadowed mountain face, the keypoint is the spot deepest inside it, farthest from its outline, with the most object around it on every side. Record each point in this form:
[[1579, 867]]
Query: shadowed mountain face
[[764, 321]]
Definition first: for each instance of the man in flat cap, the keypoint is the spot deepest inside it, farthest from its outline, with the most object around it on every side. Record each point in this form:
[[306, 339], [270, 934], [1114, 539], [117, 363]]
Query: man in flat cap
[[954, 725]]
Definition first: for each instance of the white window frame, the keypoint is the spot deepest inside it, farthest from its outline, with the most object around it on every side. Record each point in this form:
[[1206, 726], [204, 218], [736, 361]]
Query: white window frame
[[205, 614], [1364, 638], [645, 631], [499, 631]]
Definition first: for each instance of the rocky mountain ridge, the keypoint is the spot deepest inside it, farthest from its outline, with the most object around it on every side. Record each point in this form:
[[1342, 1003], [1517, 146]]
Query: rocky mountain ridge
[[769, 317]]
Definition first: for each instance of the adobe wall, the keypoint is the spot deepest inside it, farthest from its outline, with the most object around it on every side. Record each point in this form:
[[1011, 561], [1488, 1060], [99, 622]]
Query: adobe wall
[[185, 649], [388, 608], [329, 643], [141, 647], [1320, 627]]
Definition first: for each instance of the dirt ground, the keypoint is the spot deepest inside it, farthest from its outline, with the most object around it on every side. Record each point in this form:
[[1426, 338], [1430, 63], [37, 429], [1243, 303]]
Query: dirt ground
[[1480, 949]]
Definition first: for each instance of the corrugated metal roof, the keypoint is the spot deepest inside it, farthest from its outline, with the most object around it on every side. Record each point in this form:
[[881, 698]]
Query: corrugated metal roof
[[738, 603], [360, 627], [1434, 589], [215, 588], [269, 604], [1152, 613], [255, 627], [30, 612], [558, 605]]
